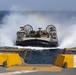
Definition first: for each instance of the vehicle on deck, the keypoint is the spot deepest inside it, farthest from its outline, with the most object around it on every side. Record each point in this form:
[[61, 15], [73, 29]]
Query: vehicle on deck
[[29, 37]]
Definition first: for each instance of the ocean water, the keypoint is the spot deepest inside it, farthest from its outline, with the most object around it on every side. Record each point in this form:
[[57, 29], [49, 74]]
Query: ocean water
[[65, 22]]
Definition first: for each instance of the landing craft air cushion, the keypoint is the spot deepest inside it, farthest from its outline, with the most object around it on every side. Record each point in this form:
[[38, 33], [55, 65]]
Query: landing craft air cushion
[[44, 38]]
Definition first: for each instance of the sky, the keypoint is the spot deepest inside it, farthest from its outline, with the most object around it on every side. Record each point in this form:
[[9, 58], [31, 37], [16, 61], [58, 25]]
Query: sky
[[38, 5]]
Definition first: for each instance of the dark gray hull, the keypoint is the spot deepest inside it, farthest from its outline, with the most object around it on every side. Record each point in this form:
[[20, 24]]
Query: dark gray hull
[[40, 43]]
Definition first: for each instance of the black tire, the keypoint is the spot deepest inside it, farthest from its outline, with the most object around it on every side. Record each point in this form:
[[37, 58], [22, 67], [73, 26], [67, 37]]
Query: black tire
[[5, 64]]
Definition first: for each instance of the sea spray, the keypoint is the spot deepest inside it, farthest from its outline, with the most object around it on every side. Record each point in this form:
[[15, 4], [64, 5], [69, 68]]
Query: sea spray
[[66, 31], [12, 23], [69, 39], [9, 28]]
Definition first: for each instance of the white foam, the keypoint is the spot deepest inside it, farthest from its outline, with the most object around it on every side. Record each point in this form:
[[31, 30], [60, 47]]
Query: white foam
[[66, 31]]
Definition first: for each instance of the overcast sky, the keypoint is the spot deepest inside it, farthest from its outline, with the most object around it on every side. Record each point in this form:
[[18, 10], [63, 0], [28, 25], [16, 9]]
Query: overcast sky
[[38, 5]]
